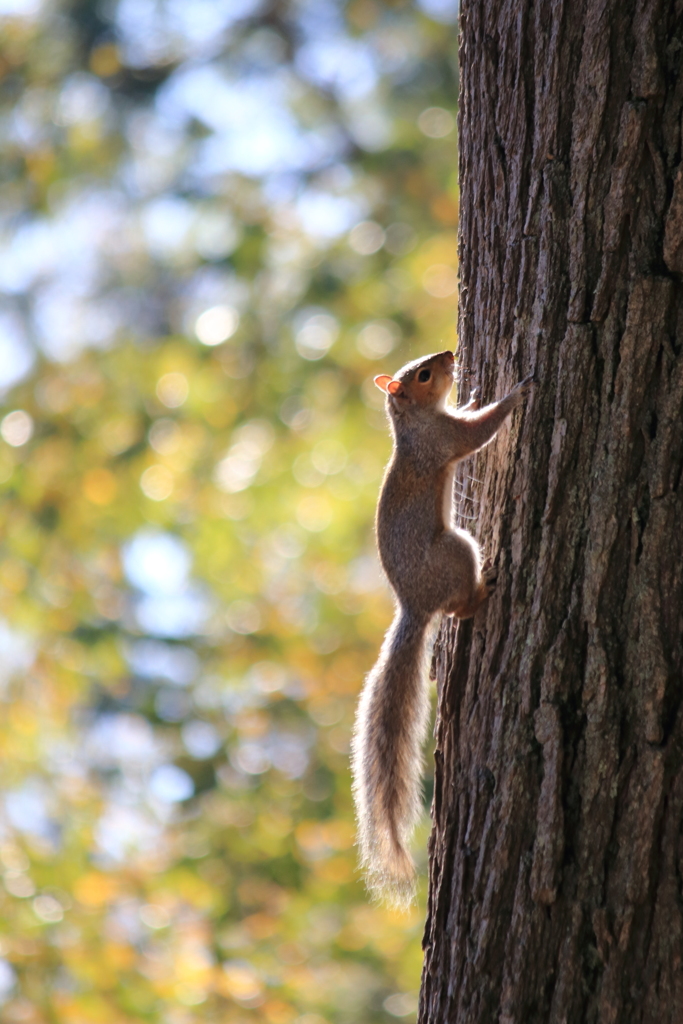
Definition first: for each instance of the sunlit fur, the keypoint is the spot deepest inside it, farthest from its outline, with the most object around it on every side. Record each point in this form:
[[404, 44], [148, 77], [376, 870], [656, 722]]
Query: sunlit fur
[[433, 567], [387, 758]]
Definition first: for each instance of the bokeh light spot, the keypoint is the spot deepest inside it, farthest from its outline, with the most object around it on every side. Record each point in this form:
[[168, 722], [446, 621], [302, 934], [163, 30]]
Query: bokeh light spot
[[377, 339], [171, 784], [173, 389], [367, 238], [17, 428], [436, 122], [440, 280], [316, 336], [157, 562], [8, 980], [241, 982], [156, 483], [243, 617], [329, 457], [154, 916], [314, 513], [400, 1004], [200, 739], [216, 325], [48, 909]]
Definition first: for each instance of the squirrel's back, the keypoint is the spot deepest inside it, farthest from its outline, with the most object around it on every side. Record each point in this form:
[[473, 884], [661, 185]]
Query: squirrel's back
[[412, 510]]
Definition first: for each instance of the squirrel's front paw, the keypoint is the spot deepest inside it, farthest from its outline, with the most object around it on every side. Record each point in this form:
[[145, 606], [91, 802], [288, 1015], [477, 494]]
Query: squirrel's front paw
[[475, 399], [524, 387]]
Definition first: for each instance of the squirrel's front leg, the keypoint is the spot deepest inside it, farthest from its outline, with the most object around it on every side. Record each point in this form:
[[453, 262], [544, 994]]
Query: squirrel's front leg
[[473, 428]]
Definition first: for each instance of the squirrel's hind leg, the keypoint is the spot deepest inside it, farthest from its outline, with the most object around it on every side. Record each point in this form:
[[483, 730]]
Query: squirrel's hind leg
[[455, 574], [469, 608]]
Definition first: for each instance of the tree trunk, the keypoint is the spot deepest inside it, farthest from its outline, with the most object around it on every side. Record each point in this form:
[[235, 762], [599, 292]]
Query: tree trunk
[[556, 889]]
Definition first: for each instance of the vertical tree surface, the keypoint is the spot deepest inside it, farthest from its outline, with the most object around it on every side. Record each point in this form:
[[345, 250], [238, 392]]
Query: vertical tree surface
[[557, 850]]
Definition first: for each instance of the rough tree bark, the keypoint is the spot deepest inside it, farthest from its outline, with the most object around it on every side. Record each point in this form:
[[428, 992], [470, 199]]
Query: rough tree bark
[[556, 889]]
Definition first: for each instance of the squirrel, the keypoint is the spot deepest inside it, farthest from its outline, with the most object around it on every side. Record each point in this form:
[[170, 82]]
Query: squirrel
[[432, 567]]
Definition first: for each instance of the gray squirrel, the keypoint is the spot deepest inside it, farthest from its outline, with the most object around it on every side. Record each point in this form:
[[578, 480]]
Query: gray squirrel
[[432, 567]]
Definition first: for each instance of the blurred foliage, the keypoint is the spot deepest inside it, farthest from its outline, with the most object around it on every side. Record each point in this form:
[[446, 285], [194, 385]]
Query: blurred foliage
[[219, 219]]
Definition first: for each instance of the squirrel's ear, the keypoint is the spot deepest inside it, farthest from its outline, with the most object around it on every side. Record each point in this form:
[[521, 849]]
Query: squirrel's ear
[[383, 381], [394, 386]]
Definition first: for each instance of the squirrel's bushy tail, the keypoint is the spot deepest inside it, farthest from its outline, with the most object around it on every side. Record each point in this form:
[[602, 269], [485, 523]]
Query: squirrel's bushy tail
[[387, 757]]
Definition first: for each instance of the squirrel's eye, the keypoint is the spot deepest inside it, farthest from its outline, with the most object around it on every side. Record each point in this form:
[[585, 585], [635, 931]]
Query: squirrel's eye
[[424, 375]]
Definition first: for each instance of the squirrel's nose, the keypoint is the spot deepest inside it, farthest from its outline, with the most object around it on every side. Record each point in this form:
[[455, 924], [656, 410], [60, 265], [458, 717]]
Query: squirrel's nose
[[449, 355]]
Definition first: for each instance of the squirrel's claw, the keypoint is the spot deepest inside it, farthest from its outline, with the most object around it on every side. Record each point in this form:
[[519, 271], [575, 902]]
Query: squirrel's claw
[[527, 384]]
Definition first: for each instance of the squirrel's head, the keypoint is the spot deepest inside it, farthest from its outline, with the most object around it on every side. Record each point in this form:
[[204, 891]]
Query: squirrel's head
[[422, 384]]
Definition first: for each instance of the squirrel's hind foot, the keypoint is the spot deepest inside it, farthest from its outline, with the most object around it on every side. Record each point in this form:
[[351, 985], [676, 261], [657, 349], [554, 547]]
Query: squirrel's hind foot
[[469, 608], [489, 572]]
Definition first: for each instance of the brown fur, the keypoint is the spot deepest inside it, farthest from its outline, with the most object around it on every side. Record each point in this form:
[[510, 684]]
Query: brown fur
[[432, 567]]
